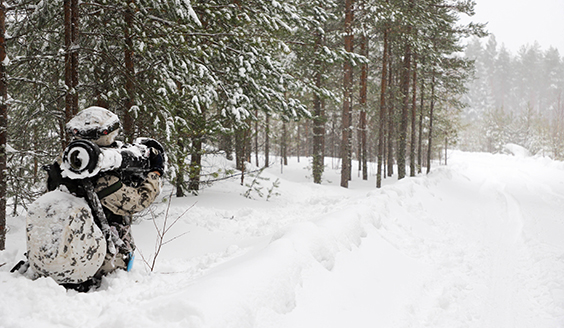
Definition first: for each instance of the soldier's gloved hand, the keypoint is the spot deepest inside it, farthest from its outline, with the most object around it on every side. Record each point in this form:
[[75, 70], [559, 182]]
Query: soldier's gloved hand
[[156, 159], [113, 240]]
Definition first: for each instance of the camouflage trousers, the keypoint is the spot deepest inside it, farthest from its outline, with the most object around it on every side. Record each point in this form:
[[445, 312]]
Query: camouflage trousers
[[121, 258]]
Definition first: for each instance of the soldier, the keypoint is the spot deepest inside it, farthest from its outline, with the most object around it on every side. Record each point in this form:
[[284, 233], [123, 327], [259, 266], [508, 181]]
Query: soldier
[[120, 195]]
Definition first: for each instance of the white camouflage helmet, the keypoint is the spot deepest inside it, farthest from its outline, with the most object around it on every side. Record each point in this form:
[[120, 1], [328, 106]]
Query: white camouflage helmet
[[96, 124]]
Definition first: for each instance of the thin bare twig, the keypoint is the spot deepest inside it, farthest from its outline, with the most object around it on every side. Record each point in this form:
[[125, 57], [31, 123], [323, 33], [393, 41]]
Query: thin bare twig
[[161, 232]]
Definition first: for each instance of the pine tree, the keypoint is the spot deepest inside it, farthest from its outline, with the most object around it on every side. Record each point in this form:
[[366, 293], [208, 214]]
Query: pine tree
[[313, 55], [346, 116], [3, 126]]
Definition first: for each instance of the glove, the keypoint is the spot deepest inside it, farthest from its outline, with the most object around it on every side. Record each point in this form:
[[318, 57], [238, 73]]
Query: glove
[[157, 161], [113, 240]]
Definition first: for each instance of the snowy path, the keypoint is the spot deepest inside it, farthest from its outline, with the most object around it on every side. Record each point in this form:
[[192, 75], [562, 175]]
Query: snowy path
[[476, 244]]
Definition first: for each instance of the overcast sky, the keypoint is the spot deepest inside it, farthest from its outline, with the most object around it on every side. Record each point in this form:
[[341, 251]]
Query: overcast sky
[[519, 22]]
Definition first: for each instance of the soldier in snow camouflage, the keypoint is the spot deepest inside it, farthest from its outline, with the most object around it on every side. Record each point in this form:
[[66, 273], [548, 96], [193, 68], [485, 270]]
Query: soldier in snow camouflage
[[119, 199]]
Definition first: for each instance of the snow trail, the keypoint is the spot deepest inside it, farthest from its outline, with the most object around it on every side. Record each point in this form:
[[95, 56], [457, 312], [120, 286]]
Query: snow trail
[[475, 244]]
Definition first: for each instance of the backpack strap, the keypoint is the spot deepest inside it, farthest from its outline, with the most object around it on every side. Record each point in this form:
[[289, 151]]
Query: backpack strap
[[109, 190]]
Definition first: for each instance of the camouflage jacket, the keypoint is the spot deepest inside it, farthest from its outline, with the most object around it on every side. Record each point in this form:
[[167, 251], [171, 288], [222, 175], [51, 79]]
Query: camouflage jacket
[[127, 200]]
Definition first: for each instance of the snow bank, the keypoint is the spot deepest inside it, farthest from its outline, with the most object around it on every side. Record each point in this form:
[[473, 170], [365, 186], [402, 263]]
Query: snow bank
[[474, 244], [516, 150]]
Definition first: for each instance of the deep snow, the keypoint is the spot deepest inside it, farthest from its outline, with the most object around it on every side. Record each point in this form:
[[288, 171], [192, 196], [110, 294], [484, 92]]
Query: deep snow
[[477, 243]]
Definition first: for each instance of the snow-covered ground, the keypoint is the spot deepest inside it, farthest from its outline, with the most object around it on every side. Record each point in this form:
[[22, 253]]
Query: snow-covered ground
[[477, 243]]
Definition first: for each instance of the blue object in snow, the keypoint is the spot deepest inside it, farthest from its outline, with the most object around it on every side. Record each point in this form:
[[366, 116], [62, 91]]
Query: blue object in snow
[[131, 257]]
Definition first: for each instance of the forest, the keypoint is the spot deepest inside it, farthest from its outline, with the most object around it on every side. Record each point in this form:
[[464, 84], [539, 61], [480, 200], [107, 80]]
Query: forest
[[514, 98], [382, 81]]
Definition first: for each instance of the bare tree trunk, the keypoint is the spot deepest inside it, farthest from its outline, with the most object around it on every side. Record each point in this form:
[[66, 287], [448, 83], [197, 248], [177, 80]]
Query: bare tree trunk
[[318, 140], [249, 146], [195, 164], [71, 60], [363, 163], [128, 124], [390, 121], [382, 123], [420, 132], [240, 151], [3, 126], [299, 145], [319, 119], [307, 146], [431, 107], [284, 144], [404, 84], [74, 53], [385, 155], [446, 150], [256, 139], [180, 162], [333, 140], [347, 98], [412, 159], [226, 144], [267, 141], [241, 137]]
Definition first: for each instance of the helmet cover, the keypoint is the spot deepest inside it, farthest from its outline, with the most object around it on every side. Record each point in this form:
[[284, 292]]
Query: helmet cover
[[96, 124]]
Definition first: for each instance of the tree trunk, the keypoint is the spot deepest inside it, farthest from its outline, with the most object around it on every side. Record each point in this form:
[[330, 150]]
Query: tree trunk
[[195, 164], [226, 144], [249, 146], [71, 60], [431, 107], [333, 140], [181, 164], [3, 126], [382, 123], [347, 99], [446, 150], [267, 141], [284, 144], [128, 124], [390, 120], [241, 137], [319, 119], [363, 163], [256, 139], [413, 121], [420, 132], [404, 85], [74, 53], [240, 151], [307, 146], [385, 154], [405, 81], [299, 145]]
